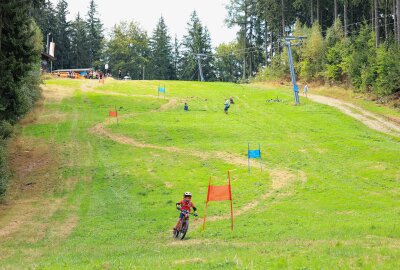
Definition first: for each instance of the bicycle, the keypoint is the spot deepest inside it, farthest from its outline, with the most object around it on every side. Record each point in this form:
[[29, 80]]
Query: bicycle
[[183, 226]]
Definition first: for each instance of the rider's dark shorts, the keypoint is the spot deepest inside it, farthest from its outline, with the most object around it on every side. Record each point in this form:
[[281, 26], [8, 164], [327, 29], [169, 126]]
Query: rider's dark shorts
[[182, 215]]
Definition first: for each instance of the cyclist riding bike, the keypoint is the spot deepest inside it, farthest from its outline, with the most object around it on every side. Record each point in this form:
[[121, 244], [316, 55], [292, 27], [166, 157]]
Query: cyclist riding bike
[[184, 206]]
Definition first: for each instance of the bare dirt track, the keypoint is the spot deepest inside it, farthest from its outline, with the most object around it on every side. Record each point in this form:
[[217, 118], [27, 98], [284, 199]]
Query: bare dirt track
[[371, 120]]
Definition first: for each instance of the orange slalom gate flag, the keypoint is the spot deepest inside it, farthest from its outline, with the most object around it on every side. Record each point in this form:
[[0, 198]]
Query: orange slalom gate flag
[[219, 193], [113, 113]]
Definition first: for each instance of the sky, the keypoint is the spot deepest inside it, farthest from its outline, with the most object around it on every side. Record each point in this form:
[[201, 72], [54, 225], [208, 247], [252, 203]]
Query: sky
[[176, 13]]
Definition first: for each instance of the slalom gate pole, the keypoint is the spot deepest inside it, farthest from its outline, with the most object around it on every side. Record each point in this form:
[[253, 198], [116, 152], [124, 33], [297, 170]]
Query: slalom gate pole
[[205, 210], [116, 112], [230, 195], [259, 149], [248, 158]]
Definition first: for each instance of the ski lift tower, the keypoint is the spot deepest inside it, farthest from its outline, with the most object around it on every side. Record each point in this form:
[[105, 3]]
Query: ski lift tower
[[199, 57], [291, 65]]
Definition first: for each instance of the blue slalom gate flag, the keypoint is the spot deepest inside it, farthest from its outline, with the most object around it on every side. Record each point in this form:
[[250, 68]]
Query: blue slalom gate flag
[[254, 154], [161, 89]]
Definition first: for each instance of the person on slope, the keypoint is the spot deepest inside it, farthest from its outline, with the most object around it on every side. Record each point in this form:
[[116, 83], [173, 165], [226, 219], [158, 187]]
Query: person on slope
[[227, 105], [184, 206], [305, 91]]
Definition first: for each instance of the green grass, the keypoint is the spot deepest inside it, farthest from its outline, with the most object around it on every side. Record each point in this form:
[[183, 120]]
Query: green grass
[[346, 215]]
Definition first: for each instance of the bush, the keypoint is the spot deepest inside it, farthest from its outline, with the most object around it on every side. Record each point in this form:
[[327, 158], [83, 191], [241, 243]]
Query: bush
[[6, 130], [3, 170], [362, 60], [278, 69], [312, 54], [388, 71]]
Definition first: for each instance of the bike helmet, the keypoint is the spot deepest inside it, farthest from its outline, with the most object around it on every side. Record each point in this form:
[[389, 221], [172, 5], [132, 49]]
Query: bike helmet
[[187, 194]]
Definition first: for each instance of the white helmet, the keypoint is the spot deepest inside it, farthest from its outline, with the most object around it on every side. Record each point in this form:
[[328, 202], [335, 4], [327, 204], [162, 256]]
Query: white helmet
[[187, 194]]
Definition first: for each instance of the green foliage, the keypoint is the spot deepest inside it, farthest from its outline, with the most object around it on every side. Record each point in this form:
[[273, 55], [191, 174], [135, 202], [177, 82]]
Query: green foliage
[[338, 50], [128, 49], [228, 62], [4, 174], [6, 130], [388, 70], [197, 41], [80, 44], [62, 36], [313, 55], [362, 60], [20, 47], [45, 18], [277, 70], [19, 61], [161, 66], [95, 36]]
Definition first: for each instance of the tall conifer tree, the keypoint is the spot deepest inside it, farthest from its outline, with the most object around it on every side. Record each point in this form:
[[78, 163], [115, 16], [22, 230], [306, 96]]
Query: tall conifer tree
[[95, 35], [62, 36], [161, 59]]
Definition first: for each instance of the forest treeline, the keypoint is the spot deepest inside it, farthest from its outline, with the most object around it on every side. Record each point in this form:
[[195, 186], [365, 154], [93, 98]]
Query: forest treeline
[[20, 48], [348, 41], [351, 42]]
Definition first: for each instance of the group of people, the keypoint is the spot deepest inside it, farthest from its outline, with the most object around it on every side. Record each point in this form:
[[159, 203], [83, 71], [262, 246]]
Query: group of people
[[230, 101], [227, 104], [97, 75]]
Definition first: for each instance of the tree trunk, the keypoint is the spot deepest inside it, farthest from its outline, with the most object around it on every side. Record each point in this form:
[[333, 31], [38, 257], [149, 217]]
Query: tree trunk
[[335, 9], [398, 21], [283, 17], [386, 23], [251, 46], [376, 23], [318, 19], [346, 30], [395, 20], [372, 15], [1, 27], [245, 41], [244, 53], [266, 42], [311, 12]]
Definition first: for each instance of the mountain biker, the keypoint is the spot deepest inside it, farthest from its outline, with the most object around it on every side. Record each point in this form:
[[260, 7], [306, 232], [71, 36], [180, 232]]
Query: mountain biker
[[184, 206]]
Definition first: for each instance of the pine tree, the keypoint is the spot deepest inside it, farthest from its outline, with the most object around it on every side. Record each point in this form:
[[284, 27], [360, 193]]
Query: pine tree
[[45, 17], [197, 41], [177, 60], [95, 35], [62, 36], [79, 44], [20, 46], [161, 59]]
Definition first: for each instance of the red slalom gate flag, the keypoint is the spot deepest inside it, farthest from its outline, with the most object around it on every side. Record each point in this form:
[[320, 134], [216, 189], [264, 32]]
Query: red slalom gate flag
[[113, 113], [219, 193]]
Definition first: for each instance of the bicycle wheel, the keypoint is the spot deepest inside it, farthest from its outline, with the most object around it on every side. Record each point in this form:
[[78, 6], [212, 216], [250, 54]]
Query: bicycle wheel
[[175, 233], [184, 229]]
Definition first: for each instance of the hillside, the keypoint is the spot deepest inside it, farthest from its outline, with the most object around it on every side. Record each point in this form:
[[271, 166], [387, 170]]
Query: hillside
[[89, 192]]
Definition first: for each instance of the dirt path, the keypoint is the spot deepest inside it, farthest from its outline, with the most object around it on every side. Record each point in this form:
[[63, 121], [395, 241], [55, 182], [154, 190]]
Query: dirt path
[[100, 129], [369, 119]]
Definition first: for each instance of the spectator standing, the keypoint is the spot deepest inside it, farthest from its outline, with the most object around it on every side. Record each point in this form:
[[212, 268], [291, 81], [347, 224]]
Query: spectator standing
[[305, 91]]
